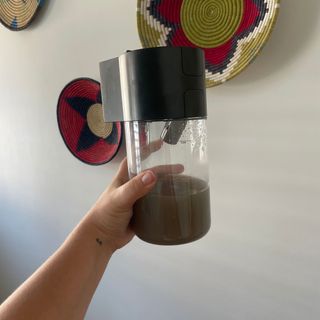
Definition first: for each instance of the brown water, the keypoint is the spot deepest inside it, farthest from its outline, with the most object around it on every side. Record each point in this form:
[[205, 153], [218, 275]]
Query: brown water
[[176, 211]]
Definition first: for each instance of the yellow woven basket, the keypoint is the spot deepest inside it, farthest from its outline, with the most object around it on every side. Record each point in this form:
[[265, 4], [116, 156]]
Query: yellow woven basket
[[231, 32]]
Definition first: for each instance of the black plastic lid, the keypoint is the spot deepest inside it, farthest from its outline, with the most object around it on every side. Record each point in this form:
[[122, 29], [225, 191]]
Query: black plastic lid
[[153, 84]]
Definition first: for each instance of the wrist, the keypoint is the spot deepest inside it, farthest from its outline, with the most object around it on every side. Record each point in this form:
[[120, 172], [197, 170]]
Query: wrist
[[96, 235]]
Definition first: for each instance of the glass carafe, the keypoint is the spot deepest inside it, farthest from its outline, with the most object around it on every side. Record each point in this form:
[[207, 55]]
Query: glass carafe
[[177, 210]]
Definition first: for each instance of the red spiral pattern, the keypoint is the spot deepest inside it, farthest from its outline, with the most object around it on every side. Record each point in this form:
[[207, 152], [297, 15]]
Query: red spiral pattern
[[72, 122]]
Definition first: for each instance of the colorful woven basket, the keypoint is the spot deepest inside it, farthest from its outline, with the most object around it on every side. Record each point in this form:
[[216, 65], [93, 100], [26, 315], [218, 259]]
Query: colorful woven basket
[[231, 32], [18, 14], [82, 126]]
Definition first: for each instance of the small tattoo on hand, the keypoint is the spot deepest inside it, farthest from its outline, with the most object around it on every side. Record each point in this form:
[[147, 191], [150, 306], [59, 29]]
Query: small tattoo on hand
[[99, 241]]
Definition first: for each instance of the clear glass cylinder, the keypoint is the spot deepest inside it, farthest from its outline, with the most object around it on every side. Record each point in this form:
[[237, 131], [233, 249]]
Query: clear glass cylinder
[[177, 210]]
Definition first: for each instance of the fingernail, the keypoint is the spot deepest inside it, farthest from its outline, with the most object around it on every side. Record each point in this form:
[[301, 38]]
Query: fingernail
[[148, 178]]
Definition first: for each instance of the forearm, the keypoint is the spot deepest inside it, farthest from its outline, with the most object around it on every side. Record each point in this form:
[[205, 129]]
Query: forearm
[[63, 287]]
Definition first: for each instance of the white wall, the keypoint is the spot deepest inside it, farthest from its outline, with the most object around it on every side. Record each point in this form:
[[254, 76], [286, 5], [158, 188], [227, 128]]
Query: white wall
[[261, 259]]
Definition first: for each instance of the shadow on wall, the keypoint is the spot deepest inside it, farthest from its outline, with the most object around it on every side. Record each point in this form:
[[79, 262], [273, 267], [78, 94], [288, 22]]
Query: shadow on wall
[[21, 247], [42, 15], [294, 30], [6, 278]]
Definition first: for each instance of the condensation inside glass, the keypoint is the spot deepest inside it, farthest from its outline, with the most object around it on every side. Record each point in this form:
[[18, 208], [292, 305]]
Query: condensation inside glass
[[146, 149]]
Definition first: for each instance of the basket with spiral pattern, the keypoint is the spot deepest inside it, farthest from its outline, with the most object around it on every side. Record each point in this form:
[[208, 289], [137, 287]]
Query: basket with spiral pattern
[[82, 126], [231, 32], [18, 14]]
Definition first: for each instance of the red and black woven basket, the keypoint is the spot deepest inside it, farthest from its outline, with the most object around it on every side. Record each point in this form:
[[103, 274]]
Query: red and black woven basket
[[81, 124]]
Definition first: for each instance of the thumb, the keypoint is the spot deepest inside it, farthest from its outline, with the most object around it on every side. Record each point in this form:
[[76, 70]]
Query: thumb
[[134, 189]]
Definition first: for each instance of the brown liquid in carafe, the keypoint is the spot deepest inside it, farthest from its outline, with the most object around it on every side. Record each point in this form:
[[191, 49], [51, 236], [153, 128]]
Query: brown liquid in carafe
[[176, 211]]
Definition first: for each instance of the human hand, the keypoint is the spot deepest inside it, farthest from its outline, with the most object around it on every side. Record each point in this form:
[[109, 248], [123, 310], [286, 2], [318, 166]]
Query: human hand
[[112, 213]]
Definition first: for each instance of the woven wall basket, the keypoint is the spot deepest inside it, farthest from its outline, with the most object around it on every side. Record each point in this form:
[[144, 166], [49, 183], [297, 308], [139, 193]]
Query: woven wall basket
[[18, 14], [82, 126], [231, 32]]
